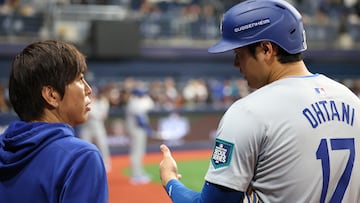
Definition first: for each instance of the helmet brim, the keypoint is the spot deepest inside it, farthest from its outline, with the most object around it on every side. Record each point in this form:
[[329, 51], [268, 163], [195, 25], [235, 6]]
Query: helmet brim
[[224, 46]]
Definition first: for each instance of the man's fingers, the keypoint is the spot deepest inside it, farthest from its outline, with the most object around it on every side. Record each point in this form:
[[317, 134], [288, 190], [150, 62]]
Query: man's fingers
[[168, 168], [165, 150]]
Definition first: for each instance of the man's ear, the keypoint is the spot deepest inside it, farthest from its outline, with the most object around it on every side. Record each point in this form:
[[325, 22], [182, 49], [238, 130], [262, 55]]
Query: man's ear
[[50, 95], [266, 46]]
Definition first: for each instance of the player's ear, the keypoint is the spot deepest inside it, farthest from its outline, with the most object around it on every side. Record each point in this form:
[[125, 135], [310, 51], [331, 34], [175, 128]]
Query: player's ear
[[50, 95], [266, 46], [269, 50]]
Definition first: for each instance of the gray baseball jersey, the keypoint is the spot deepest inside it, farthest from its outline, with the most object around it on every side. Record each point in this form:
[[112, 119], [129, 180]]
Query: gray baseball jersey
[[294, 140]]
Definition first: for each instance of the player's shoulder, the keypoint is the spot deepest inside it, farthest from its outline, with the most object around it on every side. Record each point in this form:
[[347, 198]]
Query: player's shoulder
[[278, 91], [259, 97]]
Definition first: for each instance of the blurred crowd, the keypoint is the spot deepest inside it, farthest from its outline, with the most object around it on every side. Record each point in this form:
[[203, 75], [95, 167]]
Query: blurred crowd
[[197, 19], [169, 94], [319, 9]]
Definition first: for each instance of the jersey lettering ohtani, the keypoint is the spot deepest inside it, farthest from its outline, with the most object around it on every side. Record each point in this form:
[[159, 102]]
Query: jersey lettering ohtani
[[325, 111]]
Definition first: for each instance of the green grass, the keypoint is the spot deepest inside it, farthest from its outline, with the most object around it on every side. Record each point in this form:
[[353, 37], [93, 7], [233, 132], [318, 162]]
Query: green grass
[[192, 172]]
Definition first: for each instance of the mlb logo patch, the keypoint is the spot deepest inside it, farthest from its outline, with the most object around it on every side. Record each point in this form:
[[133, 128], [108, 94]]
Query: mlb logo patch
[[320, 90], [221, 156]]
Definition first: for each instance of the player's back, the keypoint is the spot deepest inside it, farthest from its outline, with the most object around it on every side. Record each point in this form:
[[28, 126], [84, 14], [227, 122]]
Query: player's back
[[304, 141], [314, 134]]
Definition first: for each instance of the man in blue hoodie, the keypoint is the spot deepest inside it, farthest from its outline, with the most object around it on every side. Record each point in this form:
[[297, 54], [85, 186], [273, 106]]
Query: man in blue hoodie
[[41, 160]]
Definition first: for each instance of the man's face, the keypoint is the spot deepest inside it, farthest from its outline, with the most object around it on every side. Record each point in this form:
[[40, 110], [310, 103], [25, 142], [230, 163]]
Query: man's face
[[74, 106], [253, 69]]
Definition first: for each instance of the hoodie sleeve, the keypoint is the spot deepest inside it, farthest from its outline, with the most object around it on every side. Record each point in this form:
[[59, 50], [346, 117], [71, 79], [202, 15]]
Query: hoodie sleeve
[[86, 180]]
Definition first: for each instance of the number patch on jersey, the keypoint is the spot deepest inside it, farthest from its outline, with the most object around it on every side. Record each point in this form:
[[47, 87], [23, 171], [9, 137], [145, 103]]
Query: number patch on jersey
[[221, 156], [323, 154]]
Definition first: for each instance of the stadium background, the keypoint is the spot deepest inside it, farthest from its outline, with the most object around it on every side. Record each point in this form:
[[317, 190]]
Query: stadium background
[[162, 45]]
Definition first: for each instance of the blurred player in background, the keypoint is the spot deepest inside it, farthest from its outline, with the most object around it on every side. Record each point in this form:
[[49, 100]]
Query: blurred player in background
[[94, 130], [41, 160], [138, 126], [294, 139]]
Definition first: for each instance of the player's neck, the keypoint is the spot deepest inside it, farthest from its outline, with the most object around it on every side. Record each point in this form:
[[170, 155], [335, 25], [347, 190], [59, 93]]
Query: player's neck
[[289, 70]]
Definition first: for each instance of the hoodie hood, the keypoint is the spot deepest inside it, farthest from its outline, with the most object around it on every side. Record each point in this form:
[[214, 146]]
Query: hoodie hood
[[22, 141]]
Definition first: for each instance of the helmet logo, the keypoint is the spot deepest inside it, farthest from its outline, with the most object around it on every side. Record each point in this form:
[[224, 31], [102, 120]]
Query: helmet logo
[[252, 25]]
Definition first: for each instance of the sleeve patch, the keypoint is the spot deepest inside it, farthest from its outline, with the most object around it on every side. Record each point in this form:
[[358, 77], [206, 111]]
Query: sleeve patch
[[221, 156]]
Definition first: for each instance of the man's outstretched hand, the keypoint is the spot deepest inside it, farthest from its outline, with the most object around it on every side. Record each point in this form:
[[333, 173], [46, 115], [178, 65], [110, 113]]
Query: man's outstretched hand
[[168, 166]]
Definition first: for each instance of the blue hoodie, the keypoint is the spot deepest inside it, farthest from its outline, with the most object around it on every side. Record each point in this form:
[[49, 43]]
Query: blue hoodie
[[45, 162]]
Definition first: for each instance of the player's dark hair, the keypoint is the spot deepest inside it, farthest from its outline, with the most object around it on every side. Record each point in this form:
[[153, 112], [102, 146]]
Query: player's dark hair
[[47, 63], [283, 56]]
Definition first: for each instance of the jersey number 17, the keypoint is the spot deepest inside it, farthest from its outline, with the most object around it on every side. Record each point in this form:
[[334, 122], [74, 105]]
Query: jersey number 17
[[322, 153]]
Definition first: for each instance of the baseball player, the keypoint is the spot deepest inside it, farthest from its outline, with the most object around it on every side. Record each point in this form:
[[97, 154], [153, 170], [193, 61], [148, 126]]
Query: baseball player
[[139, 129], [294, 139]]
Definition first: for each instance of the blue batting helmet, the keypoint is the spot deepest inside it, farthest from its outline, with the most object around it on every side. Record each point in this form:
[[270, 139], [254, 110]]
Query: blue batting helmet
[[262, 20]]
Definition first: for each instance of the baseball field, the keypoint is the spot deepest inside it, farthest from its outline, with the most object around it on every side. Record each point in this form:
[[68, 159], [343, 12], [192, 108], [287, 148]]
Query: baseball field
[[192, 165]]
